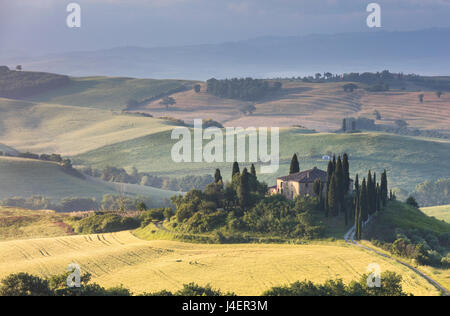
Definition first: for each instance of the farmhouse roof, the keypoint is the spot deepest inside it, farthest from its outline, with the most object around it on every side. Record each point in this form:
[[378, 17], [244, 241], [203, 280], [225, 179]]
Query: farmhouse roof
[[308, 176]]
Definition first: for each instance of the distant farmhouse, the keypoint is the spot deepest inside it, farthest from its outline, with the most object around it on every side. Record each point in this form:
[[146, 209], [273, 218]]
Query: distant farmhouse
[[301, 183]]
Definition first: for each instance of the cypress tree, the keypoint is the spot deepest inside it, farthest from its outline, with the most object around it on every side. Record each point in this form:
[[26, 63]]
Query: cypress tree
[[236, 169], [384, 188], [379, 202], [340, 191], [316, 187], [363, 201], [346, 167], [344, 125], [357, 219], [357, 184], [371, 192], [253, 179], [244, 189], [332, 197], [330, 172], [217, 176], [295, 165], [334, 162]]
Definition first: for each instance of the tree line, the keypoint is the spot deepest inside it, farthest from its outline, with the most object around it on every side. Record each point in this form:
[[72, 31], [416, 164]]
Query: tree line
[[120, 175], [24, 284], [247, 89]]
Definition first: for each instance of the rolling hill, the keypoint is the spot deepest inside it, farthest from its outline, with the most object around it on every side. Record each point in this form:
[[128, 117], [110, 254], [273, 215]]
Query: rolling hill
[[440, 212], [108, 93], [408, 160], [68, 130], [319, 106], [148, 266], [26, 178], [26, 224]]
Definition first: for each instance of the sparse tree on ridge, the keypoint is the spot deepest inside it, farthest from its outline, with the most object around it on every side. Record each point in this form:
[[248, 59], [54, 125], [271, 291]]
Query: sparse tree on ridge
[[168, 101]]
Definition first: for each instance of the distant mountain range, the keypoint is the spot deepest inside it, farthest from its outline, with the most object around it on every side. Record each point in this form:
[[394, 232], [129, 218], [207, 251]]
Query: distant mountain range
[[425, 51]]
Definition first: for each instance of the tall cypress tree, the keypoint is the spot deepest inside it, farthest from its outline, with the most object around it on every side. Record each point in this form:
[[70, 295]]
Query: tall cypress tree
[[346, 167], [217, 176], [371, 194], [236, 169], [295, 165], [340, 191], [253, 179], [244, 189], [330, 173], [357, 219], [357, 184], [384, 188], [333, 203], [379, 202], [363, 201]]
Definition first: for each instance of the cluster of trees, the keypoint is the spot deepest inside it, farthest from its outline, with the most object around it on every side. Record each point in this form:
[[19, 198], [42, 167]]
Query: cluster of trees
[[391, 286], [15, 84], [247, 89], [24, 284], [120, 175], [241, 206], [369, 199], [431, 193], [105, 223]]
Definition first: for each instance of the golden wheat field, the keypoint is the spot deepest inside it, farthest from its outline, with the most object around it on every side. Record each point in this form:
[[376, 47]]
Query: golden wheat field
[[147, 266]]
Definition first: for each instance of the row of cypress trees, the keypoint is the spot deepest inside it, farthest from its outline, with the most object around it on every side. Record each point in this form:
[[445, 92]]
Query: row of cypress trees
[[368, 198], [371, 197]]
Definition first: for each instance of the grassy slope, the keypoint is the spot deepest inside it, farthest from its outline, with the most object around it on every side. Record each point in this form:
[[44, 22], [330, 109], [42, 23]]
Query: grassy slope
[[68, 130], [107, 92], [409, 161], [25, 177], [121, 258], [406, 217], [440, 212], [400, 215], [316, 106], [25, 224]]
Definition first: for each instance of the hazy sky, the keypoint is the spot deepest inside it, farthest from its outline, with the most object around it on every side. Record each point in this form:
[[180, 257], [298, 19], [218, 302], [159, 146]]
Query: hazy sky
[[38, 26]]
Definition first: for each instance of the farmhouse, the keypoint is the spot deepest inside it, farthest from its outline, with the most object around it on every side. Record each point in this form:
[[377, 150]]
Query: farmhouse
[[301, 183]]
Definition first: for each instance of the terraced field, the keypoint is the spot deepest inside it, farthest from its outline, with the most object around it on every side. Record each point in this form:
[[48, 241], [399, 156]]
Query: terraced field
[[146, 266]]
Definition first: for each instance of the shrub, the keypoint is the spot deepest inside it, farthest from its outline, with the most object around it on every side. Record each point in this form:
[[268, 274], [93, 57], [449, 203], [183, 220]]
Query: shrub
[[106, 223]]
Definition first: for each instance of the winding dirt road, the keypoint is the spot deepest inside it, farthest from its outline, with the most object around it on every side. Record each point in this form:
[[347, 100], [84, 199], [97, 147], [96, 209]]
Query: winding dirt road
[[350, 239]]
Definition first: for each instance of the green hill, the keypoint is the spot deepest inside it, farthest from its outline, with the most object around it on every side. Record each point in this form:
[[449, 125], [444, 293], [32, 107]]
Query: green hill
[[26, 178], [108, 92], [440, 212], [408, 160], [68, 130]]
